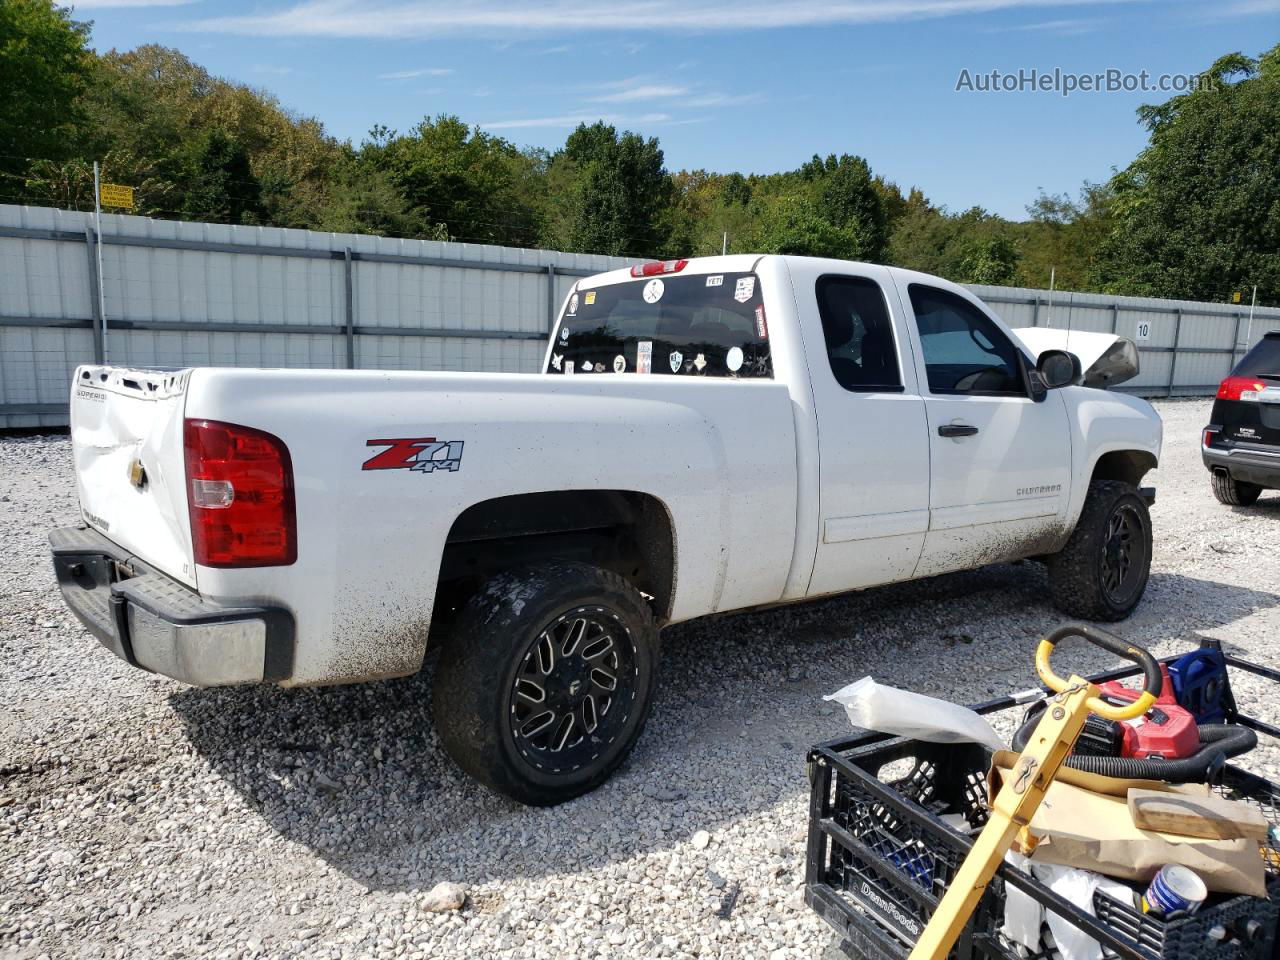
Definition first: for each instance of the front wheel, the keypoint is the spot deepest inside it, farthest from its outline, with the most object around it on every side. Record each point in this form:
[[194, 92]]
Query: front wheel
[[545, 682], [1102, 572]]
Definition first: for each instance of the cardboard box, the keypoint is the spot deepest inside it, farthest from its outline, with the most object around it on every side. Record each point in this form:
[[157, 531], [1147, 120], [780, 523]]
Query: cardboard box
[[1084, 821]]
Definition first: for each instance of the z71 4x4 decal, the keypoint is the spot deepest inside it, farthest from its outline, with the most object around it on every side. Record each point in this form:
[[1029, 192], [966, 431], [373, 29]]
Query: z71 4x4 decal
[[420, 454]]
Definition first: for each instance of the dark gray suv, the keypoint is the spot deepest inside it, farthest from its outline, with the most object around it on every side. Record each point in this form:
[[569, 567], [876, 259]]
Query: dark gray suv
[[1241, 444]]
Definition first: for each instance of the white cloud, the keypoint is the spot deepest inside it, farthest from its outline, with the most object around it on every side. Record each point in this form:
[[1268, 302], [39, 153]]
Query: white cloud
[[419, 18], [651, 91], [721, 99], [103, 4], [1249, 8], [642, 88], [1066, 28], [410, 74], [572, 120]]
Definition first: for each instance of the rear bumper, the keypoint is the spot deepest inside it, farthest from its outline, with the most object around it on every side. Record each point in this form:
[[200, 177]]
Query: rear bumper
[[1244, 464], [151, 621]]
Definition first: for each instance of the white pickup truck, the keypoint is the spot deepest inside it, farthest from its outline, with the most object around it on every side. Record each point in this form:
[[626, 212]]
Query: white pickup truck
[[708, 435]]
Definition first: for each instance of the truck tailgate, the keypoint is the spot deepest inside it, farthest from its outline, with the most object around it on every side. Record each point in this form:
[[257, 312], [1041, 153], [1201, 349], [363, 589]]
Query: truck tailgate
[[127, 440]]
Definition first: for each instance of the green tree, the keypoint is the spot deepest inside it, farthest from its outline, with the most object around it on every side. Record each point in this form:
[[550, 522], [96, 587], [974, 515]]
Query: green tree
[[993, 260], [44, 65], [1063, 237], [1197, 214], [149, 111], [481, 187], [619, 192], [218, 184], [850, 201], [793, 224], [359, 198]]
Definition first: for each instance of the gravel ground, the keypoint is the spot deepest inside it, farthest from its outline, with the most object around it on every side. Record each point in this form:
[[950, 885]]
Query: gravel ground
[[140, 818]]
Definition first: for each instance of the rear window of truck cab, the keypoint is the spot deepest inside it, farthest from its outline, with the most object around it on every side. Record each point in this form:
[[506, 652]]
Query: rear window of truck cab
[[699, 325]]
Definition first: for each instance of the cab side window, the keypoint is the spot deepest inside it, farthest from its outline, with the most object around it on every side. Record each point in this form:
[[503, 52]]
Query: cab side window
[[964, 352], [858, 334]]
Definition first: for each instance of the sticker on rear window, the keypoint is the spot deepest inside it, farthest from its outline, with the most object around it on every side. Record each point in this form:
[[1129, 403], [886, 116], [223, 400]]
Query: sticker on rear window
[[619, 364], [733, 359], [590, 298], [744, 289], [715, 280], [762, 328], [653, 290], [573, 305], [644, 356]]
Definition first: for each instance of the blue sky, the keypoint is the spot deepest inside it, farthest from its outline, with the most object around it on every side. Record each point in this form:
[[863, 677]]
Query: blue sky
[[752, 85]]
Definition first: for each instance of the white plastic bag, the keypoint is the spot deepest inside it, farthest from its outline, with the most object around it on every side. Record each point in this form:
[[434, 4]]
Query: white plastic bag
[[874, 706], [1024, 915]]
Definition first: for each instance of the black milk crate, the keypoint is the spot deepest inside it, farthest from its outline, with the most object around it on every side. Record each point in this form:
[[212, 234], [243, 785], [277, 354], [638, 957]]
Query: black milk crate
[[884, 844]]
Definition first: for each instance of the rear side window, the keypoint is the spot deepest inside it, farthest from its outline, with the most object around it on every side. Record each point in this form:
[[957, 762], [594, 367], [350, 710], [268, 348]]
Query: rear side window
[[964, 352], [1262, 361], [697, 325], [858, 334]]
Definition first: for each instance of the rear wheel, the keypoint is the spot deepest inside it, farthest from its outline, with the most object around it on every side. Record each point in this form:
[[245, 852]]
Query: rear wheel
[[1234, 493], [1102, 572], [545, 683]]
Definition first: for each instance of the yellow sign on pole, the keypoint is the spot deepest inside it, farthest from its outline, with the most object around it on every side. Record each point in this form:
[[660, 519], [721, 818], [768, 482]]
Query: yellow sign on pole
[[1235, 297], [117, 195]]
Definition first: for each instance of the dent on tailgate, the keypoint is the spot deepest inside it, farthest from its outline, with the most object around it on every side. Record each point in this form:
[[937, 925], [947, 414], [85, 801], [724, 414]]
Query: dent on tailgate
[[126, 437]]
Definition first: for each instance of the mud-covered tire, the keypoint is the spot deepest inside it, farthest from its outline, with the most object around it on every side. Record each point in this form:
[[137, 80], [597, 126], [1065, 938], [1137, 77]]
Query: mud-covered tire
[[1235, 493], [491, 674], [1083, 576]]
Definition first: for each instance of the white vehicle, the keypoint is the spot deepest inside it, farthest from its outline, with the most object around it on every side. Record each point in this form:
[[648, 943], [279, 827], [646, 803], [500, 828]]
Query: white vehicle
[[708, 435]]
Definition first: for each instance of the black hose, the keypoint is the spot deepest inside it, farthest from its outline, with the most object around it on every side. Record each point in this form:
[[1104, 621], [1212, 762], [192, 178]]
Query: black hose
[[1218, 742]]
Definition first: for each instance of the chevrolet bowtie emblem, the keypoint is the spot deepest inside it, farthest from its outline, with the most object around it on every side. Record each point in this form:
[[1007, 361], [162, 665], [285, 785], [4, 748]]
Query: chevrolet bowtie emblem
[[137, 473]]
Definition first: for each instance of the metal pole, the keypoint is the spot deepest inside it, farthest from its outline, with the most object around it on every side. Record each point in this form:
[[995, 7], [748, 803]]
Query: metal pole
[[1177, 339], [1035, 311], [97, 229], [1235, 341], [724, 243], [1249, 334], [1053, 276], [1115, 318], [95, 304], [551, 297], [349, 307]]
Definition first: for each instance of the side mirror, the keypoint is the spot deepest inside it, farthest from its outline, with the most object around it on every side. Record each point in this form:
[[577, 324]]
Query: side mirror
[[1058, 368], [1031, 379]]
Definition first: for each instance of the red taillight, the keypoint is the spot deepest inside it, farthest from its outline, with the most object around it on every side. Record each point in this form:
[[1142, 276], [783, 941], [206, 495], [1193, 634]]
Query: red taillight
[[240, 496], [659, 268], [1240, 388]]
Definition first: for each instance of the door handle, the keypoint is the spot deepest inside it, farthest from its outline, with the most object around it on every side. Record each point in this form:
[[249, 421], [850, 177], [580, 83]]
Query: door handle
[[957, 430]]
